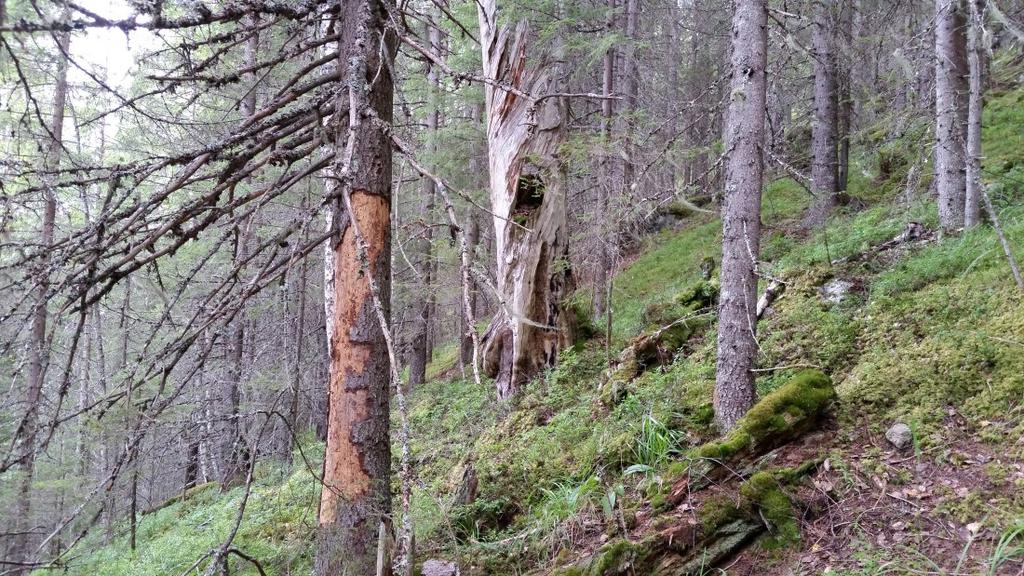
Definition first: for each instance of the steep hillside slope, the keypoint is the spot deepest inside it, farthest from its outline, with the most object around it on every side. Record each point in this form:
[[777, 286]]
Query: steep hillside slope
[[586, 465]]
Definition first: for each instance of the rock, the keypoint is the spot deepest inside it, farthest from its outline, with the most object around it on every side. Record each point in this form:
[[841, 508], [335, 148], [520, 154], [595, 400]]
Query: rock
[[835, 290], [899, 435], [440, 568]]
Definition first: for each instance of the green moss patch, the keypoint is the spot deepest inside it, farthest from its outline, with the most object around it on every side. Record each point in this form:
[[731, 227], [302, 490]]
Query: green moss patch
[[778, 418], [763, 492]]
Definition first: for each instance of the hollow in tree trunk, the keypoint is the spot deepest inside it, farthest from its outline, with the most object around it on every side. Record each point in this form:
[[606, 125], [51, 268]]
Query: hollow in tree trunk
[[525, 129]]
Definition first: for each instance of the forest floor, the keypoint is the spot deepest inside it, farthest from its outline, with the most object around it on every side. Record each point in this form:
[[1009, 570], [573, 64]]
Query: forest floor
[[926, 333], [929, 334]]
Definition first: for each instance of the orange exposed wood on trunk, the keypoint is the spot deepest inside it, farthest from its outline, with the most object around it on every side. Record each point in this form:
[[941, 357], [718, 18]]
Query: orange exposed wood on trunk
[[352, 344]]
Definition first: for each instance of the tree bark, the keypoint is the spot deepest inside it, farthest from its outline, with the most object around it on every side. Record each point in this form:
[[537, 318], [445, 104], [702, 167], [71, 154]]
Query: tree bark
[[606, 180], [236, 453], [630, 92], [191, 460], [39, 349], [420, 351], [741, 214], [824, 132], [478, 166], [972, 199], [848, 31], [525, 129], [296, 387], [466, 336], [950, 105], [355, 503]]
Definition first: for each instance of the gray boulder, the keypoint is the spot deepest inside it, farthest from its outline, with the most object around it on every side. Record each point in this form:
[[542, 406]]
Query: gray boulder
[[835, 290], [900, 435], [440, 568]]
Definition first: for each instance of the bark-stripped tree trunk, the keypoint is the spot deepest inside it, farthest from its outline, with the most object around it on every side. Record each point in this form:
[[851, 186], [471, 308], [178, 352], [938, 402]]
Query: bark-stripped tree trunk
[[420, 353], [355, 504], [824, 132], [525, 129], [741, 214], [478, 167], [39, 348], [972, 199], [950, 105]]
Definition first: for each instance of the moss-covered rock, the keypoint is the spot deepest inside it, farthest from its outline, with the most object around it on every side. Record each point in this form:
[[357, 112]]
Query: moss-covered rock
[[619, 557], [717, 511]]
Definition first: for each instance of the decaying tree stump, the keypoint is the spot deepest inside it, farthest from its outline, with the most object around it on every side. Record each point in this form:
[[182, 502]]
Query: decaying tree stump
[[525, 130]]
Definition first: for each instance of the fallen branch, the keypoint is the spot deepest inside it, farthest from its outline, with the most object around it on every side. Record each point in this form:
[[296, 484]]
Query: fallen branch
[[1002, 238], [913, 231], [772, 292]]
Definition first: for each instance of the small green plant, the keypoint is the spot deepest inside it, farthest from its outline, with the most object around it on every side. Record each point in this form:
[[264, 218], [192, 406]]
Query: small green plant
[[567, 499], [1010, 547], [915, 437], [655, 443], [610, 500]]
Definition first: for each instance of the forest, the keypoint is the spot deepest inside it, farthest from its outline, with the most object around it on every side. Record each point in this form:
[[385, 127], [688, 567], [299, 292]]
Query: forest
[[511, 287]]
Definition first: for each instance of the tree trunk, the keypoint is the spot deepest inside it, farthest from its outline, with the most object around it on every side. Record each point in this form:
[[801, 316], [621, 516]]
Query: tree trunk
[[699, 180], [478, 168], [972, 201], [38, 349], [355, 503], [191, 460], [133, 507], [296, 387], [824, 132], [607, 179], [466, 337], [845, 128], [848, 31], [741, 214], [950, 90], [236, 453], [525, 129], [630, 91], [420, 352]]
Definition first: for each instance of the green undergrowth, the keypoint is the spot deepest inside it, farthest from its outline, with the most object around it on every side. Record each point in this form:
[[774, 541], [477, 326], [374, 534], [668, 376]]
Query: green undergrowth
[[670, 265], [277, 529], [925, 327], [928, 327], [774, 418]]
